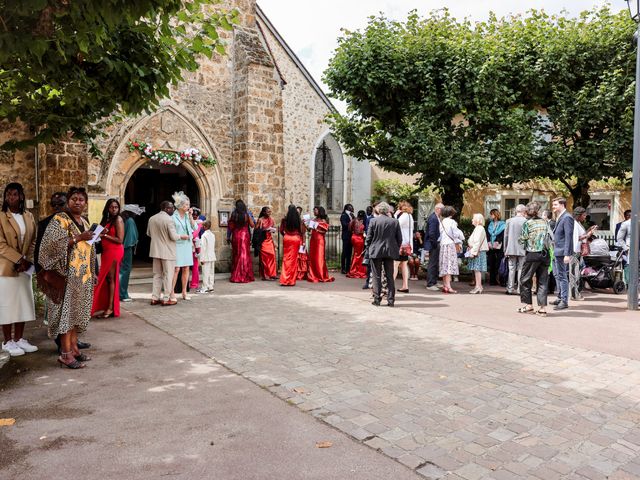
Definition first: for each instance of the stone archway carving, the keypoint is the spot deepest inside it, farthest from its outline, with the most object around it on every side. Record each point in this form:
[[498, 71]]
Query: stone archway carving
[[167, 128]]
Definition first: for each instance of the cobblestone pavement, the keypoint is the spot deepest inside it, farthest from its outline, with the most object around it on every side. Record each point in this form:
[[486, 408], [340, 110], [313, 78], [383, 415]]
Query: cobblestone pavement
[[449, 399]]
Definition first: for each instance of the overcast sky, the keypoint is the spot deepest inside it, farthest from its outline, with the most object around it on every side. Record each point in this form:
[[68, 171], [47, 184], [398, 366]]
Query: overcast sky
[[311, 27]]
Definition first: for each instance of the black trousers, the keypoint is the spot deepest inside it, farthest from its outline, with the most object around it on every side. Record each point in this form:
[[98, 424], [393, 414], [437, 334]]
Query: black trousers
[[433, 267], [494, 257], [376, 269], [534, 264], [345, 258]]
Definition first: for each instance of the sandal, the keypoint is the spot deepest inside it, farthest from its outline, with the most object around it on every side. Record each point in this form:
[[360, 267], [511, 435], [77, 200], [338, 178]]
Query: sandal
[[74, 365], [541, 312], [107, 314], [526, 309], [81, 357]]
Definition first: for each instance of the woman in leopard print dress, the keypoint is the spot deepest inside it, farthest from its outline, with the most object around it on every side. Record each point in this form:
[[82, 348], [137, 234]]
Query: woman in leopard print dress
[[65, 249]]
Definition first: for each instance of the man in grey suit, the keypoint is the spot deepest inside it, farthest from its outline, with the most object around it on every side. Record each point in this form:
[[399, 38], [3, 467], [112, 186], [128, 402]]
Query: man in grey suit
[[163, 235], [563, 251], [383, 240], [513, 250]]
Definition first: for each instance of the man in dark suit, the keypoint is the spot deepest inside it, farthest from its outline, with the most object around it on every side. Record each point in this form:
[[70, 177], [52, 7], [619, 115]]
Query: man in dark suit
[[432, 246], [345, 220], [563, 250], [383, 240]]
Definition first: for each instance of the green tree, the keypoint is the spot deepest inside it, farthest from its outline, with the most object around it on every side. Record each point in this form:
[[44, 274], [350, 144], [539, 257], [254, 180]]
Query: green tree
[[421, 96], [72, 66], [500, 101], [590, 64]]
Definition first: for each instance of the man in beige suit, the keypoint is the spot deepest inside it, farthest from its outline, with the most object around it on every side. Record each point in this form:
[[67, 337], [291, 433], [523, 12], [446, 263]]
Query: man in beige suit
[[163, 235]]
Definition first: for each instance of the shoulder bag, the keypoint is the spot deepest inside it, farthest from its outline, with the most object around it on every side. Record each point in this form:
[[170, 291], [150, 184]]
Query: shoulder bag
[[458, 245]]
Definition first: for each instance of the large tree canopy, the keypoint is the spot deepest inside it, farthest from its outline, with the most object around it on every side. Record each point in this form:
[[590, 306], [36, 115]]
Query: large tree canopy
[[490, 102], [66, 65]]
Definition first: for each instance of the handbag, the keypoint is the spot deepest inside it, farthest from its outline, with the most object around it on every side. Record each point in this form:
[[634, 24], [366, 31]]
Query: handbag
[[585, 249], [52, 284], [405, 250]]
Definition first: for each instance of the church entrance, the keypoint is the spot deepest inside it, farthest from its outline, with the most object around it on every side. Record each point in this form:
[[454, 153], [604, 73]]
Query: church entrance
[[148, 187]]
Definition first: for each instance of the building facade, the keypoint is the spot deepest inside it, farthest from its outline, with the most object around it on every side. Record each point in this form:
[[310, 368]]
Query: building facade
[[256, 110]]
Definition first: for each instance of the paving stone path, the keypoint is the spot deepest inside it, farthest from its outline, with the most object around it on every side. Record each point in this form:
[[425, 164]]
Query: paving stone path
[[448, 399]]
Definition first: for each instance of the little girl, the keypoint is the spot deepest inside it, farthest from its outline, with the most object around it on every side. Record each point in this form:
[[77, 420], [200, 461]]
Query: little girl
[[207, 257]]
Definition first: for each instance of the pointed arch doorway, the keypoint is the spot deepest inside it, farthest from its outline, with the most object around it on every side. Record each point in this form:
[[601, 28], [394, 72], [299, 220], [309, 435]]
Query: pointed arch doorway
[[151, 184]]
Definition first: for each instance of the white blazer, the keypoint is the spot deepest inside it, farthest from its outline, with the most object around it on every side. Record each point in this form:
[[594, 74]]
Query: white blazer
[[208, 247]]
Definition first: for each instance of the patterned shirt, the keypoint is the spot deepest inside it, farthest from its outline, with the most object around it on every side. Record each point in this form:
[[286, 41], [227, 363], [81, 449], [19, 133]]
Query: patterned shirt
[[533, 235]]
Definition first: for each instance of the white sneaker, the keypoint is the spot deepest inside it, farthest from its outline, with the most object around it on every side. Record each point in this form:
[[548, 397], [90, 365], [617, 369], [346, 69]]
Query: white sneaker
[[201, 290], [127, 300], [434, 288], [24, 344], [12, 348]]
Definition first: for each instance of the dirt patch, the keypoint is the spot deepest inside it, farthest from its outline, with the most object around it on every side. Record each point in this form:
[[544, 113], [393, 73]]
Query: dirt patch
[[120, 357], [60, 442], [11, 454], [138, 344], [56, 412]]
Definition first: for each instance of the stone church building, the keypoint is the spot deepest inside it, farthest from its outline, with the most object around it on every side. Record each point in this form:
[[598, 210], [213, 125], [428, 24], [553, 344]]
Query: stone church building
[[256, 110]]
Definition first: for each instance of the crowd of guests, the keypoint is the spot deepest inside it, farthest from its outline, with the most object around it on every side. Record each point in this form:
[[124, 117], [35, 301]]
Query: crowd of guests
[[520, 254], [531, 252]]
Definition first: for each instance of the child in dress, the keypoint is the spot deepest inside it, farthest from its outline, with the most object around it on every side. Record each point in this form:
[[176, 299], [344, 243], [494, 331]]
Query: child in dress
[[207, 257]]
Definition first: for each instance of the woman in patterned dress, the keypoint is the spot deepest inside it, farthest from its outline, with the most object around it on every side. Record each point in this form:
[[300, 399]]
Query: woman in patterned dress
[[477, 251], [64, 249], [450, 236]]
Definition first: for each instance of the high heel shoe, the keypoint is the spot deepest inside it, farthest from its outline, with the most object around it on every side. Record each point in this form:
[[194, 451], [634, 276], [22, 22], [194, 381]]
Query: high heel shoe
[[107, 314], [448, 290], [476, 290]]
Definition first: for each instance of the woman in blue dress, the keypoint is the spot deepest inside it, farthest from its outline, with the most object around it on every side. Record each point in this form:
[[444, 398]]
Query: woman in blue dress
[[185, 225]]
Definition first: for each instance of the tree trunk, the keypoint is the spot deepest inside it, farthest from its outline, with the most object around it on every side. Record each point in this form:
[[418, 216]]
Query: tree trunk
[[453, 193], [580, 193]]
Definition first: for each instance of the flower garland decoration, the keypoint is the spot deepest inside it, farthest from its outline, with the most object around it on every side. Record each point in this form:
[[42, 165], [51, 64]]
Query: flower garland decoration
[[170, 158]]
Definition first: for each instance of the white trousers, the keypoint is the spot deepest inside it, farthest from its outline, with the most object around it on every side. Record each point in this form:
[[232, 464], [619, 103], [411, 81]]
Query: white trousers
[[208, 275], [162, 278]]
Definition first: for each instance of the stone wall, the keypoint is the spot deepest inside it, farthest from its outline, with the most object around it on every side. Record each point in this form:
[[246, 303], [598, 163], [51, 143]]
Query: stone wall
[[18, 166], [304, 112]]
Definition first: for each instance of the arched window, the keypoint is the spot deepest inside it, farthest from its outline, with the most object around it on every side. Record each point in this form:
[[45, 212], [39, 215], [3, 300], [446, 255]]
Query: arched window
[[328, 174], [323, 181]]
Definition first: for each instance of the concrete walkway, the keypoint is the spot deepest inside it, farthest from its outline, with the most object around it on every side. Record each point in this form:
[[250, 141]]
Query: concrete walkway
[[147, 407], [451, 386]]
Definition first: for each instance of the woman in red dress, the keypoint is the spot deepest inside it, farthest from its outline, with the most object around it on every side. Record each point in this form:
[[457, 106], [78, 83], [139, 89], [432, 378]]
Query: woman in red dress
[[242, 263], [318, 271], [357, 270], [106, 296], [268, 270], [293, 230]]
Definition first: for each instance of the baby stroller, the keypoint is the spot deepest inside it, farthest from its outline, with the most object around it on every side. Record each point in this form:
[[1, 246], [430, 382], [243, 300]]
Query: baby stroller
[[604, 271]]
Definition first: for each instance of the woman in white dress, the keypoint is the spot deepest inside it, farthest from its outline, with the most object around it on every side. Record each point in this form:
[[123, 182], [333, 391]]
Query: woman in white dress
[[404, 214], [17, 242]]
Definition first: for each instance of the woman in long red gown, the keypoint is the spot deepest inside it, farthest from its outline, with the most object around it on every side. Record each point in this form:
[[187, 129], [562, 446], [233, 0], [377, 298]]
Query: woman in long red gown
[[357, 270], [293, 229], [242, 263], [106, 296], [318, 271], [268, 270]]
